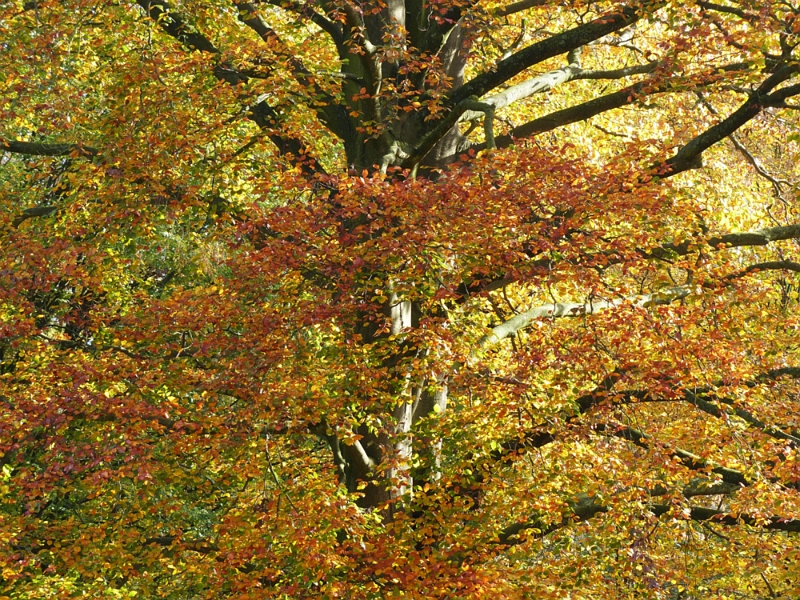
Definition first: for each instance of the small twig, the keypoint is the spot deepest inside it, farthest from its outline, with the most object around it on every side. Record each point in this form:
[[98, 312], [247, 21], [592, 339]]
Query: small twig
[[714, 532], [511, 306], [275, 475], [609, 132], [772, 593], [754, 162]]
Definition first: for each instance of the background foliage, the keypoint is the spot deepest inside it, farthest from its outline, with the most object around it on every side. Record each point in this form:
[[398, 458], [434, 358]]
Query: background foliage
[[391, 300]]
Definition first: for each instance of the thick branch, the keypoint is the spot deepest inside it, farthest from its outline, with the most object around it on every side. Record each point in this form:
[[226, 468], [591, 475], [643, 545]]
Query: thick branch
[[366, 460], [575, 309], [45, 149], [432, 138], [592, 108], [703, 399], [702, 402], [697, 513], [542, 436], [518, 7], [777, 184], [619, 73], [575, 114], [249, 16], [686, 458], [759, 237], [592, 507], [261, 113], [332, 29], [750, 18], [334, 116], [547, 81], [548, 48], [688, 157], [160, 12], [703, 487]]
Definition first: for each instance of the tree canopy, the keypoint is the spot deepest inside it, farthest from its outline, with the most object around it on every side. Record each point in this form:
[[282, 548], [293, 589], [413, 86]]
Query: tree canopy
[[420, 299]]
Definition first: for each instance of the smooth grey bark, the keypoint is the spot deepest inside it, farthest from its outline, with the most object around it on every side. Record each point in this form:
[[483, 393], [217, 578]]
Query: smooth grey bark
[[431, 405], [547, 81], [557, 310], [551, 47]]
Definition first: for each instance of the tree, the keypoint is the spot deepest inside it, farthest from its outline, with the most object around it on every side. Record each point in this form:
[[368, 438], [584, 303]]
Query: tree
[[389, 299]]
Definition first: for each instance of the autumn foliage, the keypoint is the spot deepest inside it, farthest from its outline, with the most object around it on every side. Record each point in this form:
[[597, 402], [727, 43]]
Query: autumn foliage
[[421, 299]]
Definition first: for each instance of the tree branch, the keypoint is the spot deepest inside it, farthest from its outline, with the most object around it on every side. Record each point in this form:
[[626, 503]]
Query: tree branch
[[555, 310], [688, 157], [548, 48], [698, 513], [759, 237], [619, 73], [592, 108], [580, 112], [541, 436], [592, 507], [46, 149], [518, 7], [366, 460], [754, 162], [576, 309], [701, 402], [261, 113], [332, 29], [547, 81], [200, 546], [573, 114], [174, 25], [432, 138], [330, 113], [703, 399], [750, 18]]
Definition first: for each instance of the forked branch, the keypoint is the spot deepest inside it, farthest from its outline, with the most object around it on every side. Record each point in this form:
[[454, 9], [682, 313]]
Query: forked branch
[[261, 113], [551, 47]]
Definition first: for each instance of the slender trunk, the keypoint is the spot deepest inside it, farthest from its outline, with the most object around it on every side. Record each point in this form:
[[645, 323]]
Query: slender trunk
[[379, 465]]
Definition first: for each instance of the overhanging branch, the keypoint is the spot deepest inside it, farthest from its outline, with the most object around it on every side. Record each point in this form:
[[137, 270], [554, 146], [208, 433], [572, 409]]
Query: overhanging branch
[[332, 29], [597, 106], [704, 399], [509, 536], [547, 81], [575, 309], [260, 113], [552, 46], [689, 155], [518, 7], [46, 149], [731, 10], [174, 25], [543, 435], [333, 115], [759, 237]]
